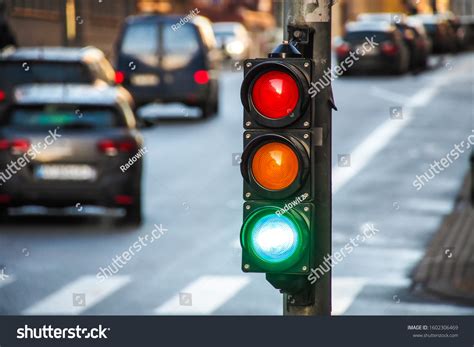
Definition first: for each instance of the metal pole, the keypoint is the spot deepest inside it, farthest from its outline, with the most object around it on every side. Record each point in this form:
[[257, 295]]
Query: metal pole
[[316, 14]]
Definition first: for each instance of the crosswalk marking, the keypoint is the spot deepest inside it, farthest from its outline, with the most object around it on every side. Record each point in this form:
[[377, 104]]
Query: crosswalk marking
[[344, 292], [204, 295], [77, 296], [346, 289], [6, 280], [236, 244]]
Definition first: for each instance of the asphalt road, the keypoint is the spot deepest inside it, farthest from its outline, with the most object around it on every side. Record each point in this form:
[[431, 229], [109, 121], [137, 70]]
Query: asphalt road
[[389, 129]]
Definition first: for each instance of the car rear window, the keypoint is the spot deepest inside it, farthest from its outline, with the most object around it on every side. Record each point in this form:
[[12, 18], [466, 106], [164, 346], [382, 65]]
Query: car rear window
[[179, 46], [52, 116], [15, 73], [141, 40], [176, 48], [361, 36]]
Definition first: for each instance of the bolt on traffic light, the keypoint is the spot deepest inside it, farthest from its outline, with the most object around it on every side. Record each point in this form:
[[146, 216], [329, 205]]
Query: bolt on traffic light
[[276, 167]]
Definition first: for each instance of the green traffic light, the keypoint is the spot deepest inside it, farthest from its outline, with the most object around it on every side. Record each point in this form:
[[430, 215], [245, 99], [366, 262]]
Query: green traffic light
[[274, 242]]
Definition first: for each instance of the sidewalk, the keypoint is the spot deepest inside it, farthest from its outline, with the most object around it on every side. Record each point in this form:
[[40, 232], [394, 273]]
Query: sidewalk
[[447, 269]]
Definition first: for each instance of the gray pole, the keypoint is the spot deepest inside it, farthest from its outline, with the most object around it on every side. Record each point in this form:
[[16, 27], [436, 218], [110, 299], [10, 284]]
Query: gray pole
[[316, 14]]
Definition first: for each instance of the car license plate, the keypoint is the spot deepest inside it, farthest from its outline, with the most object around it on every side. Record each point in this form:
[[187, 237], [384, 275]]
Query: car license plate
[[66, 172], [369, 52], [144, 80]]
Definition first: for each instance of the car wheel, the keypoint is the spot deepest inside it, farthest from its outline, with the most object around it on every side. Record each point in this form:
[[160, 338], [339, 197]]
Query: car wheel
[[3, 214], [133, 213], [206, 110], [210, 108]]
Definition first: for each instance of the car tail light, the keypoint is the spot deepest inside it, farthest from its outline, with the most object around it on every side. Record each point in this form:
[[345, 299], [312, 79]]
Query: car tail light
[[119, 77], [4, 145], [201, 77], [389, 48], [124, 200], [2, 95], [5, 198], [343, 49], [112, 147], [127, 146], [19, 146]]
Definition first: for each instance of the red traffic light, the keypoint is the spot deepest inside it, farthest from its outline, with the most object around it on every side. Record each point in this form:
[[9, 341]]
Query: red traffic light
[[275, 94]]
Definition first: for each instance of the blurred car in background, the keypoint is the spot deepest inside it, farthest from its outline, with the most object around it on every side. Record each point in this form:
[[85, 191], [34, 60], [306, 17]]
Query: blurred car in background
[[440, 32], [27, 65], [420, 28], [457, 27], [71, 142], [416, 40], [159, 61], [468, 24], [233, 39], [390, 56]]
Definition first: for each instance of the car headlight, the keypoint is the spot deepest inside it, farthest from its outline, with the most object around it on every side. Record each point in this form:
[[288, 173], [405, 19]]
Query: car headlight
[[234, 47]]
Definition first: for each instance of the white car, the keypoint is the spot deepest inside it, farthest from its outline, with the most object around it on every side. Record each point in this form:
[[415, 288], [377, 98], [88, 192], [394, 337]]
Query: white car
[[233, 39]]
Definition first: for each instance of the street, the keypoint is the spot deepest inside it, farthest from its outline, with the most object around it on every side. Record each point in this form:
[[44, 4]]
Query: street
[[387, 130]]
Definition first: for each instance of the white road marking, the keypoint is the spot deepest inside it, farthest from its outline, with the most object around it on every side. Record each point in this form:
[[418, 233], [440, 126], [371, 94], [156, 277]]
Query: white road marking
[[6, 280], [346, 289], [382, 135], [344, 292], [429, 205], [62, 301], [388, 95], [205, 295], [236, 244]]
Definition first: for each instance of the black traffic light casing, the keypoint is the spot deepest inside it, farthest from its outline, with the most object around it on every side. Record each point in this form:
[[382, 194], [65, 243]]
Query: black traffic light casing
[[300, 69], [300, 141], [296, 131]]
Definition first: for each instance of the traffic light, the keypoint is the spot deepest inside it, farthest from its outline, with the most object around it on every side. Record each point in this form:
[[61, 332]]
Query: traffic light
[[277, 234]]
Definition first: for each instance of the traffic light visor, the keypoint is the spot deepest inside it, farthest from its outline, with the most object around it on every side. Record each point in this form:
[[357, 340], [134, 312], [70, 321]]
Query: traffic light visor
[[275, 94], [275, 166]]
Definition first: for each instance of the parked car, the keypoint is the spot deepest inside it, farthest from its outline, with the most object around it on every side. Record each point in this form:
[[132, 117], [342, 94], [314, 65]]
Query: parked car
[[420, 28], [27, 65], [468, 24], [391, 55], [163, 62], [233, 39], [457, 27], [440, 32], [70, 144], [415, 40]]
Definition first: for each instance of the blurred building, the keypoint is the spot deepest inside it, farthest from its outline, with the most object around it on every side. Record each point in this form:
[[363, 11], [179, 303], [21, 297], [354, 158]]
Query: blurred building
[[98, 22], [68, 22]]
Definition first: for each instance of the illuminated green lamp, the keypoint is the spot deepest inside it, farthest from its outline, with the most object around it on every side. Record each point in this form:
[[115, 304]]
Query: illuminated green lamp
[[275, 243]]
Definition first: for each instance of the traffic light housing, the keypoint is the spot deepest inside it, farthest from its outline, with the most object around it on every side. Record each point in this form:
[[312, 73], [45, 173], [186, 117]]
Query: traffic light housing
[[278, 232]]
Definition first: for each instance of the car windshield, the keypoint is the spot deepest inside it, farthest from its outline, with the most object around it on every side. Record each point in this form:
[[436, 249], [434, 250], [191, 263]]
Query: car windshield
[[16, 73], [52, 116]]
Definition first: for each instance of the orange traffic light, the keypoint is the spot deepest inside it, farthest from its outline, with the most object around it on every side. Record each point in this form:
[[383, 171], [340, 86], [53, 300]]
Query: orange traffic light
[[275, 166]]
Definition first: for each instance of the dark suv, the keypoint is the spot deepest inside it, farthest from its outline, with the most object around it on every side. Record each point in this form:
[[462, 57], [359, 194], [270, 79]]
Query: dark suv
[[63, 145], [163, 61]]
